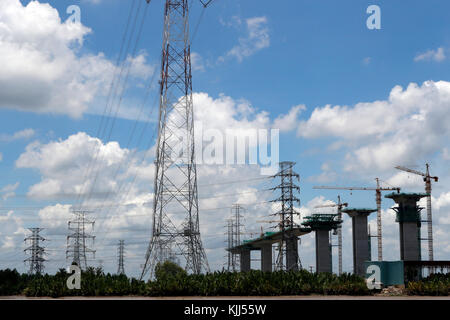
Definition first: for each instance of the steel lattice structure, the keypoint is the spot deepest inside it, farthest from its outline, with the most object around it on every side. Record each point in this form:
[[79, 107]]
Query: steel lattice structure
[[76, 241], [175, 187], [36, 260], [287, 213], [120, 253], [234, 237]]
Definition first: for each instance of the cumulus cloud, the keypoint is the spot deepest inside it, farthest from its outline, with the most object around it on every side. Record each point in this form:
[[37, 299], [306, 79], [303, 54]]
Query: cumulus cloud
[[46, 71], [256, 39], [407, 127], [289, 122], [437, 55], [63, 165]]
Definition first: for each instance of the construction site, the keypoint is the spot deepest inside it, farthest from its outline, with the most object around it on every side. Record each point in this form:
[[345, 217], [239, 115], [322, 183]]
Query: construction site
[[178, 234]]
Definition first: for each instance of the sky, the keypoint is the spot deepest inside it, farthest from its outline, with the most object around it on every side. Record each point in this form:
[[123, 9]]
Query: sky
[[350, 104]]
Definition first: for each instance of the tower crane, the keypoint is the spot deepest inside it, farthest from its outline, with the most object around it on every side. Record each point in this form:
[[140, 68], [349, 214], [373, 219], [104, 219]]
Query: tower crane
[[427, 178], [339, 206], [377, 190]]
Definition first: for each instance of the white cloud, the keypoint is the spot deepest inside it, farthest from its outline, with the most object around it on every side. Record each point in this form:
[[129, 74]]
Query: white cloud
[[406, 128], [289, 121], [437, 55], [197, 62], [446, 154], [63, 165], [257, 38], [8, 191], [22, 134], [406, 180], [235, 22], [55, 217], [44, 56], [8, 243], [326, 176]]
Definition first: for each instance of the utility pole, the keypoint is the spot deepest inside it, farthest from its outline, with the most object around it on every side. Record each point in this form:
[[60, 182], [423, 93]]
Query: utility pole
[[427, 178], [36, 259], [287, 213], [175, 186], [77, 239], [120, 251]]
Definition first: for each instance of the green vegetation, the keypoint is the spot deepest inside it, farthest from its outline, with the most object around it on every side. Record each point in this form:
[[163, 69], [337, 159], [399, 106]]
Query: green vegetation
[[94, 282], [257, 283], [435, 285], [12, 282], [168, 270], [171, 280]]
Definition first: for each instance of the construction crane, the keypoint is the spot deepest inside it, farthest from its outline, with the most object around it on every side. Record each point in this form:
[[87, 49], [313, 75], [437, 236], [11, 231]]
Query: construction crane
[[339, 206], [377, 190], [427, 178]]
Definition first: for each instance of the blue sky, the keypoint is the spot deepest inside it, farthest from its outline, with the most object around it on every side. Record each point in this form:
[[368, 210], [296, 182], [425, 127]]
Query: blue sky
[[282, 64]]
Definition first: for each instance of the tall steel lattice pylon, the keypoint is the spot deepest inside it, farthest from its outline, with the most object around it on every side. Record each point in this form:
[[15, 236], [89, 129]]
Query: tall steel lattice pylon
[[36, 259], [120, 254], [287, 199], [175, 213], [77, 240]]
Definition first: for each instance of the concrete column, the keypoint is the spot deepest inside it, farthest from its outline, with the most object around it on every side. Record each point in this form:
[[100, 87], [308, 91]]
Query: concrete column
[[266, 257], [408, 218], [292, 254], [360, 242], [245, 260], [323, 256], [409, 241]]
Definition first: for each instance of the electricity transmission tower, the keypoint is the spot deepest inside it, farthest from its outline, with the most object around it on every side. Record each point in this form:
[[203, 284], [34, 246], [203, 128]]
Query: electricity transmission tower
[[234, 237], [286, 214], [120, 251], [229, 241], [175, 207], [36, 260], [76, 241]]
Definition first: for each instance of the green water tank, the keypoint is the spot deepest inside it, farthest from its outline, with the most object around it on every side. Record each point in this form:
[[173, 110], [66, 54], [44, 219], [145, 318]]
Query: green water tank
[[390, 272]]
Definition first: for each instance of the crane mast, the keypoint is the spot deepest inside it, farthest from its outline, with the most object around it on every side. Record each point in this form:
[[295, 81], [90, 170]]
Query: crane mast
[[427, 178], [377, 190]]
